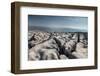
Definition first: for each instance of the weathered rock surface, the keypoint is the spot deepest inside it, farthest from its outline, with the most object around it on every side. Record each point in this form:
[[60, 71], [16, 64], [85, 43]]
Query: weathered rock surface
[[57, 45]]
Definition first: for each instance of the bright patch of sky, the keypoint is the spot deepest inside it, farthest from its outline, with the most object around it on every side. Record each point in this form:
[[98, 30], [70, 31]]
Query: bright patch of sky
[[68, 22]]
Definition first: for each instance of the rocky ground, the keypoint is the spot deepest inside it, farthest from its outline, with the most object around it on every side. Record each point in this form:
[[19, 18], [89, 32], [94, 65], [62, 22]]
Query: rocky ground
[[57, 45]]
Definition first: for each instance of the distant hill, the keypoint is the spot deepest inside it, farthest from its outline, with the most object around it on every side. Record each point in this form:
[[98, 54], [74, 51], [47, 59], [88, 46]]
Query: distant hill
[[51, 29], [38, 28]]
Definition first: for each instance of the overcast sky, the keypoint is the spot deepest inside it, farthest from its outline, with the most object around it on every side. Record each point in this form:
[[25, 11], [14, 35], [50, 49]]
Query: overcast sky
[[73, 22]]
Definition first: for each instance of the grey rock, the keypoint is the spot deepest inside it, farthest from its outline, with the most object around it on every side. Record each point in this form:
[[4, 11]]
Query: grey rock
[[63, 56]]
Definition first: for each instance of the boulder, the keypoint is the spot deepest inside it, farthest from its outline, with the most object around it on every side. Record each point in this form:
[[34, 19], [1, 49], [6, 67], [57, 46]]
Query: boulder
[[63, 56]]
